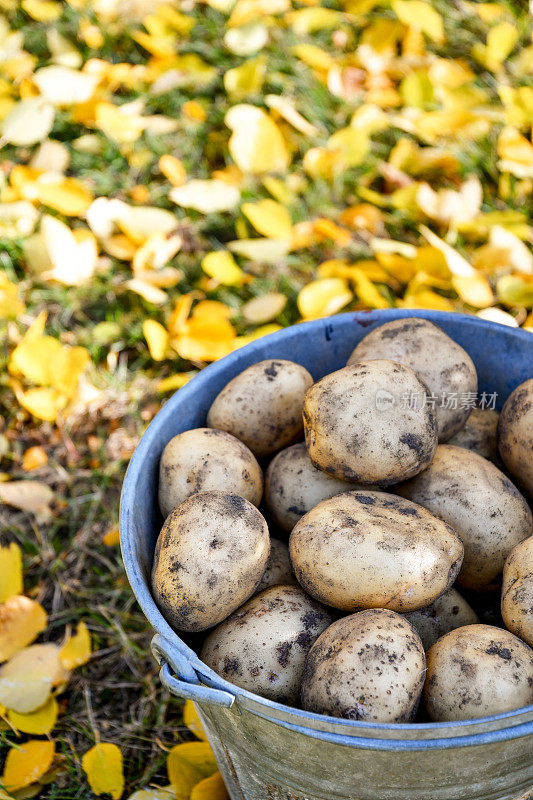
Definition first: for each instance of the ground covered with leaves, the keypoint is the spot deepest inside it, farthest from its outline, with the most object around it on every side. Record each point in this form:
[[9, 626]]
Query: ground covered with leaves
[[178, 178]]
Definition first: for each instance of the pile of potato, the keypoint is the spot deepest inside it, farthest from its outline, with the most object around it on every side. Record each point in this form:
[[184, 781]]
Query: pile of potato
[[402, 530]]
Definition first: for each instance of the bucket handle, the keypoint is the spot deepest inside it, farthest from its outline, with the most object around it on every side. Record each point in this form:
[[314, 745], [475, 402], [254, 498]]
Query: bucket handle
[[186, 683]]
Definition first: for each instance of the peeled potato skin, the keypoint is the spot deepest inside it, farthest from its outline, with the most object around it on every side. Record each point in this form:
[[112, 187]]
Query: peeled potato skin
[[209, 558], [349, 437], [374, 550], [477, 671], [368, 666], [480, 434], [278, 570], [515, 434], [293, 486], [517, 591], [447, 612], [480, 503], [439, 361], [262, 646], [262, 406], [205, 459]]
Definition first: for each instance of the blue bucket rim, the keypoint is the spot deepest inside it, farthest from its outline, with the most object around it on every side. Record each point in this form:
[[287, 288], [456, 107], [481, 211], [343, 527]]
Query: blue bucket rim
[[144, 597]]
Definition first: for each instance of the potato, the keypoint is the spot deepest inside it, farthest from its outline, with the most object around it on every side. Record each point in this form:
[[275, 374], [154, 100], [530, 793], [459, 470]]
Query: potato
[[480, 434], [278, 569], [480, 503], [439, 361], [209, 558], [263, 405], [374, 550], [203, 459], [447, 612], [368, 666], [515, 434], [293, 486], [477, 671], [517, 591], [358, 427], [262, 646]]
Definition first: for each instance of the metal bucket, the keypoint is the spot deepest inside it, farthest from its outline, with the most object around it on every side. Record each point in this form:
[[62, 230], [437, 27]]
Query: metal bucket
[[268, 751]]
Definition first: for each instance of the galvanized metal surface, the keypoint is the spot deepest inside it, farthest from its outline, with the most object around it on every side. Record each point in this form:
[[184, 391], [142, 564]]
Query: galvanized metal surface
[[267, 751]]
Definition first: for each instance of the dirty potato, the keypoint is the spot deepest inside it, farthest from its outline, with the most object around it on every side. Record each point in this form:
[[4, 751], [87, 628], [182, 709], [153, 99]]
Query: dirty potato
[[368, 666], [515, 434], [278, 569], [517, 591], [477, 671], [262, 646], [480, 503], [205, 459], [374, 550], [480, 434], [439, 361], [293, 486], [263, 405], [370, 423], [209, 558], [447, 612]]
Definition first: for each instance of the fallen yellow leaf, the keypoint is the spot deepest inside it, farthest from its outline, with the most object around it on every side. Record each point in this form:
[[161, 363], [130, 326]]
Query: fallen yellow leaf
[[21, 620], [269, 218], [323, 297], [207, 197], [28, 678], [187, 765], [33, 458], [264, 308], [173, 169], [421, 15], [212, 788], [192, 720], [40, 722], [112, 537], [220, 265], [32, 496], [26, 763], [156, 337], [77, 650], [256, 144], [174, 382], [10, 571], [104, 769]]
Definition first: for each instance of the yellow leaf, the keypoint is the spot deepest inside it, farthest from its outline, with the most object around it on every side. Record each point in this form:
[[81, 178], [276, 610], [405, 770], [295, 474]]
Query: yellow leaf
[[174, 382], [498, 315], [21, 620], [150, 794], [421, 15], [40, 722], [147, 291], [220, 265], [66, 368], [27, 679], [245, 80], [192, 720], [212, 308], [117, 123], [308, 20], [32, 496], [30, 121], [426, 298], [212, 788], [103, 766], [207, 197], [351, 145], [520, 257], [323, 297], [66, 195], [63, 86], [10, 305], [501, 40], [77, 650], [34, 457], [267, 251], [112, 537], [269, 218], [366, 291], [32, 358], [187, 765], [10, 571], [263, 330], [156, 337], [43, 403], [515, 290], [256, 143], [264, 308], [42, 10], [473, 289], [205, 339], [26, 763], [516, 153], [173, 169], [73, 258]]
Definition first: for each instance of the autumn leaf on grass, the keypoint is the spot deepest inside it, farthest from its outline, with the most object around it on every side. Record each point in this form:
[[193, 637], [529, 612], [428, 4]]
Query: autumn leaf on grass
[[421, 15], [269, 218], [323, 297], [221, 266], [32, 496], [187, 765], [104, 769], [26, 763], [21, 620], [30, 121], [212, 788], [28, 678], [40, 722], [10, 304], [192, 720], [256, 144], [207, 196], [157, 339], [77, 650], [515, 152], [11, 582]]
